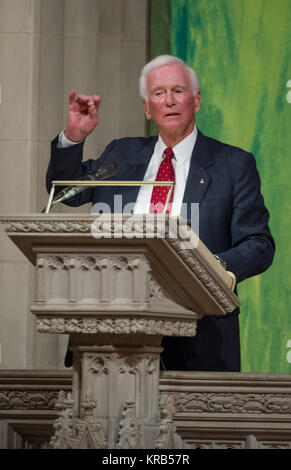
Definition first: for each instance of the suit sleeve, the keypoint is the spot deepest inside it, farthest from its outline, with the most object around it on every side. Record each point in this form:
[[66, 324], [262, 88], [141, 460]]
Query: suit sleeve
[[66, 164], [252, 244]]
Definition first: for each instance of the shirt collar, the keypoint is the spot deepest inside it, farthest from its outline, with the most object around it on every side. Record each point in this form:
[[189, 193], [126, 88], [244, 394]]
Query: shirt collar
[[183, 150]]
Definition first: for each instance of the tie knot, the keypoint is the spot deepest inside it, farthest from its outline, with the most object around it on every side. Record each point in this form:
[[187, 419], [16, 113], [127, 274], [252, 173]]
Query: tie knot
[[169, 152]]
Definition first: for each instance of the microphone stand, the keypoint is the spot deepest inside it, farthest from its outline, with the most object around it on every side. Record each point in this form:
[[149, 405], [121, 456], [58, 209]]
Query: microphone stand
[[107, 183]]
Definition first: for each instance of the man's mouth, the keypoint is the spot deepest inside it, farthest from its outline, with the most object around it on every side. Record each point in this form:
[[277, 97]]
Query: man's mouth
[[171, 114]]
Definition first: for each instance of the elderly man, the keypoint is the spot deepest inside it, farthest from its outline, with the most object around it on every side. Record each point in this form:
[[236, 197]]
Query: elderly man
[[223, 179]]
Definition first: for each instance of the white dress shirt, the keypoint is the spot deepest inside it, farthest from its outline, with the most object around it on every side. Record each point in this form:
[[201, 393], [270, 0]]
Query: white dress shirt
[[181, 163], [64, 142]]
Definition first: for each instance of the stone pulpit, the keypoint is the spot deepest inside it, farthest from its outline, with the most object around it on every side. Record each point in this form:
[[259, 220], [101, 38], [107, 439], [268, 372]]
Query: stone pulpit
[[117, 284]]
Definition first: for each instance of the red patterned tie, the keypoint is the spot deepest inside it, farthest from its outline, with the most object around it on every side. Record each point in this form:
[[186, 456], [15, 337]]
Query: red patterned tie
[[165, 173]]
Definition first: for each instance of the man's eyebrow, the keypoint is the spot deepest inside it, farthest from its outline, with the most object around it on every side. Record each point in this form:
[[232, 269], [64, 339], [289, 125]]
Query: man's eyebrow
[[155, 87], [176, 85]]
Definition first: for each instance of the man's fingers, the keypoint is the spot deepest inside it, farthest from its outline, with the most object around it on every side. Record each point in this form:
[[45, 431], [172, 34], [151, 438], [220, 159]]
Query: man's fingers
[[97, 100], [72, 97], [88, 99], [84, 99], [93, 111], [86, 105]]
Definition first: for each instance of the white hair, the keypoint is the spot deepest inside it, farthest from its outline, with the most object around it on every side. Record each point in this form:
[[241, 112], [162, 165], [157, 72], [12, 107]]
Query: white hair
[[159, 62]]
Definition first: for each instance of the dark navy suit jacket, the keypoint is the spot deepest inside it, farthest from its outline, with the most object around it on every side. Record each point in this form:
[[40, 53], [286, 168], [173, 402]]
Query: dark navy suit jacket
[[223, 179], [233, 224]]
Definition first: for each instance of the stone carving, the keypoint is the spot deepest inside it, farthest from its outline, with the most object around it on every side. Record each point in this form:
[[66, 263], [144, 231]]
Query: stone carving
[[152, 365], [233, 403], [168, 437], [203, 275], [98, 365], [128, 364], [72, 432], [58, 262], [130, 429], [92, 262], [117, 326], [47, 226], [27, 400], [275, 445], [156, 292], [125, 262], [207, 444], [69, 261], [63, 426]]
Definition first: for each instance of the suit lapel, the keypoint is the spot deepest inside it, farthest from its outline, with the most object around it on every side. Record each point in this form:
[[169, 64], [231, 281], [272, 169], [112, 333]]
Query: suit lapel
[[198, 178], [137, 165]]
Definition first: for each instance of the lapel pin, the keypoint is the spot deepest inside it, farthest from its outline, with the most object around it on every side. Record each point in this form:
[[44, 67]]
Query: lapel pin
[[202, 181]]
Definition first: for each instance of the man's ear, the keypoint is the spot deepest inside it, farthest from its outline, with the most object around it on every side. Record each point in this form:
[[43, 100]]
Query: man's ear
[[197, 101], [146, 110]]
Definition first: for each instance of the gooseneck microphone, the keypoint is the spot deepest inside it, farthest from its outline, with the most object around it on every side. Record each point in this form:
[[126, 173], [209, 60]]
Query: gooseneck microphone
[[106, 171]]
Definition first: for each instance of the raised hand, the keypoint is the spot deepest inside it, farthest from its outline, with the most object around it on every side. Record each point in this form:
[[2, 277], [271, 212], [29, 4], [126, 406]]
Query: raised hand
[[83, 116]]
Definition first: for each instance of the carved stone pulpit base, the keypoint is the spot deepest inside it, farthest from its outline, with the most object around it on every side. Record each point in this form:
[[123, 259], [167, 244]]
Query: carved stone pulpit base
[[115, 397]]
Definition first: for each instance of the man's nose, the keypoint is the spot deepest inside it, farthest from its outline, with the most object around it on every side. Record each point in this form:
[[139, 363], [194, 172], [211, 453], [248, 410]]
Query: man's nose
[[169, 99]]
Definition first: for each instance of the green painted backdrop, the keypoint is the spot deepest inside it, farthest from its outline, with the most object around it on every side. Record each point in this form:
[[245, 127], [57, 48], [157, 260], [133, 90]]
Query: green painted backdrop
[[241, 51]]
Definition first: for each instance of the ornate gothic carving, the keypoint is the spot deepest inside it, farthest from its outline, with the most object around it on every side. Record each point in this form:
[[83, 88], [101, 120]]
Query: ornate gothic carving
[[129, 364], [92, 262], [168, 437], [152, 365], [27, 400], [125, 263], [156, 292], [130, 429], [233, 403], [250, 442], [275, 445], [98, 365], [208, 444], [47, 226], [204, 276], [72, 432], [116, 326]]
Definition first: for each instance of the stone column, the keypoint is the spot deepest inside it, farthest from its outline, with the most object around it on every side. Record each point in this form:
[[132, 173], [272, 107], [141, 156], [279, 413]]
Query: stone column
[[20, 23]]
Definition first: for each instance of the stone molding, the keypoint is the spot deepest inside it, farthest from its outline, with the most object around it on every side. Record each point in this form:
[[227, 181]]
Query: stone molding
[[228, 393], [218, 410], [184, 423], [46, 225], [28, 400], [28, 406], [115, 326], [32, 390], [233, 403]]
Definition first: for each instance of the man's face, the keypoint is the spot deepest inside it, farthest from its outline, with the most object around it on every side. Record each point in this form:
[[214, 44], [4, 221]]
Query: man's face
[[171, 103]]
